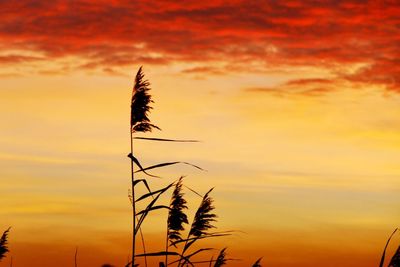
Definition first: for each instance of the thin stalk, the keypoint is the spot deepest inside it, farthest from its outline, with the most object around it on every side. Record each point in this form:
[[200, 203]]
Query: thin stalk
[[144, 247], [384, 250], [166, 246], [183, 250], [76, 257], [133, 203]]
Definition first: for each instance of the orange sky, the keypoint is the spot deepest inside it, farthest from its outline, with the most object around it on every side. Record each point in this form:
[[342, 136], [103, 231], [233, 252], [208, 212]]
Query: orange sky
[[296, 104]]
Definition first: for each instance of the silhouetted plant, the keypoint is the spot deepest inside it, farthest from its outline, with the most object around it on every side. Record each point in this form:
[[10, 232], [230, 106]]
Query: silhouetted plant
[[140, 105], [202, 222], [139, 122], [176, 217], [204, 217], [257, 263], [3, 244], [221, 260], [395, 261]]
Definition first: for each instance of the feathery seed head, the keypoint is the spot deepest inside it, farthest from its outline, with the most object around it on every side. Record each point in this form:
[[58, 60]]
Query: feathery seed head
[[176, 216], [203, 218], [140, 105]]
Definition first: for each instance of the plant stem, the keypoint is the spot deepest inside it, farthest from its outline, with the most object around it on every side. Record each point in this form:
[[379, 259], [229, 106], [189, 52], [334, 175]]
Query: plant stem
[[166, 247], [76, 256], [133, 203], [184, 250], [144, 247]]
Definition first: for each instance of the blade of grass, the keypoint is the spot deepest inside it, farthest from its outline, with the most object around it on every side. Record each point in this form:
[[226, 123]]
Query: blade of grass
[[153, 208], [153, 193], [384, 250], [143, 215], [168, 164], [136, 161], [165, 140]]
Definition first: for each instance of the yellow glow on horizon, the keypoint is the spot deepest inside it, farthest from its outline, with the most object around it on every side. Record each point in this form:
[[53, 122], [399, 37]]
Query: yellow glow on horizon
[[326, 162]]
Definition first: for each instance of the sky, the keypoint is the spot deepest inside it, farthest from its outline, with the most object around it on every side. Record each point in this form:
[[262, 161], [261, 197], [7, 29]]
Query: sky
[[296, 105]]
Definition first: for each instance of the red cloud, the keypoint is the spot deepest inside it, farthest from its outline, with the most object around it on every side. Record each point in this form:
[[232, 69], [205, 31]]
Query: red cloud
[[107, 34], [308, 87]]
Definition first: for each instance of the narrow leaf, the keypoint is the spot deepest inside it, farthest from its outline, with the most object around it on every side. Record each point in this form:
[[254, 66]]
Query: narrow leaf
[[153, 193], [156, 254], [165, 140], [153, 208], [384, 250], [144, 214], [208, 235], [187, 258], [167, 164], [139, 165], [144, 182], [193, 191]]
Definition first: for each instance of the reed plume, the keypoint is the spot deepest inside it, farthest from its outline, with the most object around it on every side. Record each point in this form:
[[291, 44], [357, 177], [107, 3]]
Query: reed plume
[[140, 105], [202, 222], [395, 261], [257, 263], [176, 217], [221, 260], [3, 244], [204, 218]]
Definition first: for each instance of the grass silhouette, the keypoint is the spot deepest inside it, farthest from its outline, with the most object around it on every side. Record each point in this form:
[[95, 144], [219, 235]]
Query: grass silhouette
[[395, 261], [203, 222], [3, 244]]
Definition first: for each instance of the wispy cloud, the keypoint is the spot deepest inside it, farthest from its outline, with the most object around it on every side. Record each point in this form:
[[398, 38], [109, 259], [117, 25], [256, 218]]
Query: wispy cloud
[[112, 34]]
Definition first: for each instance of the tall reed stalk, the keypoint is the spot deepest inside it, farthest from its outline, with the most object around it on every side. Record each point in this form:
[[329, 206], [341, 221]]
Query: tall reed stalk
[[139, 122], [133, 203]]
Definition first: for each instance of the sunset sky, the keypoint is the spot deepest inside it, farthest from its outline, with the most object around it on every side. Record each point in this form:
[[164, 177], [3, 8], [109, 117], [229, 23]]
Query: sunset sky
[[296, 104]]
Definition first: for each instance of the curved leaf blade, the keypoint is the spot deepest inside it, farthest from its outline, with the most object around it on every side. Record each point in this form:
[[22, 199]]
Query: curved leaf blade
[[165, 140], [136, 161], [168, 164]]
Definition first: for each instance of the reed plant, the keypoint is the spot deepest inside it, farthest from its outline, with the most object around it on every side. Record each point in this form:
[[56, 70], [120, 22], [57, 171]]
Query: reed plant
[[204, 219]]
